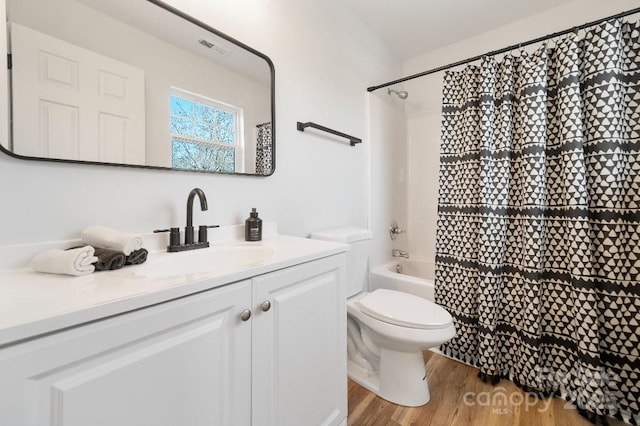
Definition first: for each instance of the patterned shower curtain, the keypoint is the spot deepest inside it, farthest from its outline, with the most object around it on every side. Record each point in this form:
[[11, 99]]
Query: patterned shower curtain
[[538, 238], [264, 150]]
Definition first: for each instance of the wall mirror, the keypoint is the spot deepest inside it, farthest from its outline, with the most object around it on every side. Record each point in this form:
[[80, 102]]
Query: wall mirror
[[136, 83]]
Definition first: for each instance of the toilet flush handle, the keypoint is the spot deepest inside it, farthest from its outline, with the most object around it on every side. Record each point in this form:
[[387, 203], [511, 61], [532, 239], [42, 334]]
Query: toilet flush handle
[[266, 305]]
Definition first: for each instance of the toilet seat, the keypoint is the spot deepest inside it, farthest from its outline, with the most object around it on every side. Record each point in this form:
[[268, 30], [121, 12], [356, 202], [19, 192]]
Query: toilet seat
[[403, 309]]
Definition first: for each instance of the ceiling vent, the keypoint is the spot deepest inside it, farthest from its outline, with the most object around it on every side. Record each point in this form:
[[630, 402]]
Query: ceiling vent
[[214, 47]]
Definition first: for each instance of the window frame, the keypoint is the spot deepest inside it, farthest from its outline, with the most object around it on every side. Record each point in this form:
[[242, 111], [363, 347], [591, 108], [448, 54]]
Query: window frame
[[238, 114]]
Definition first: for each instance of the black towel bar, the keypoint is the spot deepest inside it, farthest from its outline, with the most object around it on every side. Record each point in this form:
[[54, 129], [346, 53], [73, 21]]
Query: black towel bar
[[352, 139]]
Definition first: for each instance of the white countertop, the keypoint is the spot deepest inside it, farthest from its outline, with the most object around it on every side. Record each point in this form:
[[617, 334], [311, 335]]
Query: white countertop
[[33, 303]]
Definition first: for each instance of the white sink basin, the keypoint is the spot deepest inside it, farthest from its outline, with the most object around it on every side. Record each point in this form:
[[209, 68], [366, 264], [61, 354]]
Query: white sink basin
[[203, 261]]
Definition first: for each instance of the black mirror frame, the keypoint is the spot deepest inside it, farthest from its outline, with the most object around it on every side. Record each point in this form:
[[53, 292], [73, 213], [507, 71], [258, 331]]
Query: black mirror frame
[[206, 27]]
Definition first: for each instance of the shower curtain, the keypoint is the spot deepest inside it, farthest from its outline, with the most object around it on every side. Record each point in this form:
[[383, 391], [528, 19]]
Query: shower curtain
[[538, 236], [264, 151]]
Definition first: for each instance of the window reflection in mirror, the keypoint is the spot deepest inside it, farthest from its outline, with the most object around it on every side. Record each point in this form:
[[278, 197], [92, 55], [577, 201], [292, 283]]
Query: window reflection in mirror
[[206, 134], [128, 82]]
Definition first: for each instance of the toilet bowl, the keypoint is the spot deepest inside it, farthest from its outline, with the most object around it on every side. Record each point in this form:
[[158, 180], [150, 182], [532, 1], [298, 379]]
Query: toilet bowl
[[387, 330]]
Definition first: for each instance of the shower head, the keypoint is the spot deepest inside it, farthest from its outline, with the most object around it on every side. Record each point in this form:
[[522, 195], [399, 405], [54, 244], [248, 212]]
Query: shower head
[[401, 94]]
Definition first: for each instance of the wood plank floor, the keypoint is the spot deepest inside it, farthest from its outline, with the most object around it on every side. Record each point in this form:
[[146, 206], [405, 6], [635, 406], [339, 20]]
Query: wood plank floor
[[449, 383]]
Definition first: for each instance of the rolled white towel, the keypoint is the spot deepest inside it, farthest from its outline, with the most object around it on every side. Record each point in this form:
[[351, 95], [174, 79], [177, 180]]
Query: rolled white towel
[[103, 237], [78, 261]]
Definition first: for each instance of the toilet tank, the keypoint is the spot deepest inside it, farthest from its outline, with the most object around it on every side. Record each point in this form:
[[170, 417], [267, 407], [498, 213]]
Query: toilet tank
[[359, 240]]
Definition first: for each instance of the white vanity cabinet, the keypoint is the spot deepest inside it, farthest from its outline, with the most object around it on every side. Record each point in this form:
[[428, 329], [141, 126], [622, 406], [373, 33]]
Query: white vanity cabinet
[[299, 343], [184, 362], [196, 360]]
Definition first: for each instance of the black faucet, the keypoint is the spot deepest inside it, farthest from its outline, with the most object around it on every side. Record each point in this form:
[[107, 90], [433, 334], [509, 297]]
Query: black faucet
[[189, 244], [188, 230]]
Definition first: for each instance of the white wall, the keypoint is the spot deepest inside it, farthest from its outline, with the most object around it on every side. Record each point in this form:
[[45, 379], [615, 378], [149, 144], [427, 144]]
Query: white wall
[[324, 60], [387, 133], [424, 103]]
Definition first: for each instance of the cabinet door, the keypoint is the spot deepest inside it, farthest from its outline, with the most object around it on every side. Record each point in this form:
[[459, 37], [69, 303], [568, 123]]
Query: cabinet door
[[299, 345], [184, 362]]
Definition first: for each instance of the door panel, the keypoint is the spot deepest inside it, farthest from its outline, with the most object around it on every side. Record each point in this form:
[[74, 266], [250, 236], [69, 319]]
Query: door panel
[[48, 71]]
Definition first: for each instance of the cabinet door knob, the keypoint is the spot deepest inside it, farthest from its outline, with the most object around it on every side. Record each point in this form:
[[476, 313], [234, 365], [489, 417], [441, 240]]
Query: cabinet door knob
[[266, 305], [245, 315]]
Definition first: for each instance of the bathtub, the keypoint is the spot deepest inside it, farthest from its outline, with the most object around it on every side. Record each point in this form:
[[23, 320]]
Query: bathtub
[[417, 277]]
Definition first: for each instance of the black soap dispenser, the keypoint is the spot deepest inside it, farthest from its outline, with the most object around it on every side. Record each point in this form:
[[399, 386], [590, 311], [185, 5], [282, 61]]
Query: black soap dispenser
[[253, 227]]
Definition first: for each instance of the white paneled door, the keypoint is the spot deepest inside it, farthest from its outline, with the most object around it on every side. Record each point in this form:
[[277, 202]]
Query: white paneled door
[[72, 103]]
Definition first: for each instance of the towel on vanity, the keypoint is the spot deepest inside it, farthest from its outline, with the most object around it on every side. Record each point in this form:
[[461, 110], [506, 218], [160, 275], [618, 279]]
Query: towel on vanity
[[137, 257], [109, 260], [103, 237], [78, 261]]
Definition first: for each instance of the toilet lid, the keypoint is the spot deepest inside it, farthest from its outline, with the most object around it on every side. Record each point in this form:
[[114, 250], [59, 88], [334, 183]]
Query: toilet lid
[[395, 307]]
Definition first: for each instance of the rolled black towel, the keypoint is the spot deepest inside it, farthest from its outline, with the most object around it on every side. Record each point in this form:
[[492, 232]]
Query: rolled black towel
[[108, 260], [137, 257]]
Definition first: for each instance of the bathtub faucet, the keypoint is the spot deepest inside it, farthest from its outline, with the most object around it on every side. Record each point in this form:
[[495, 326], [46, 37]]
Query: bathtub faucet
[[400, 253]]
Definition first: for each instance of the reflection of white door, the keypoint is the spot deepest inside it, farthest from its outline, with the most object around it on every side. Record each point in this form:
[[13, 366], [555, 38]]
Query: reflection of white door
[[72, 103]]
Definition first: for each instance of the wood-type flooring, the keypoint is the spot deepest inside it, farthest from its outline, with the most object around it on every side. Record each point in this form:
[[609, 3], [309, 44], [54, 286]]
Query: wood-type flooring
[[460, 398]]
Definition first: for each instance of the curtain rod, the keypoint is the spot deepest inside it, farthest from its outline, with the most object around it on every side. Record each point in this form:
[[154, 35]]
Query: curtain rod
[[506, 49]]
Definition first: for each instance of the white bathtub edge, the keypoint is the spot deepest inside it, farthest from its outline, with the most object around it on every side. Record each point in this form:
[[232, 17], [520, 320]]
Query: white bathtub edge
[[384, 276]]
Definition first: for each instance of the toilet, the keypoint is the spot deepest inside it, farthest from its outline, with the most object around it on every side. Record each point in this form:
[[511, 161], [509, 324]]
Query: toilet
[[387, 330]]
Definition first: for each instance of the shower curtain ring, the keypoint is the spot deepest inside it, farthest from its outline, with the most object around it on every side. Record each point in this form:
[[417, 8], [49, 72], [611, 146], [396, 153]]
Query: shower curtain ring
[[576, 32]]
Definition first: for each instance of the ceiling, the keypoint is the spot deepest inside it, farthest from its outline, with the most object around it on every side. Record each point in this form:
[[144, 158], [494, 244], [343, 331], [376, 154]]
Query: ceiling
[[413, 27]]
